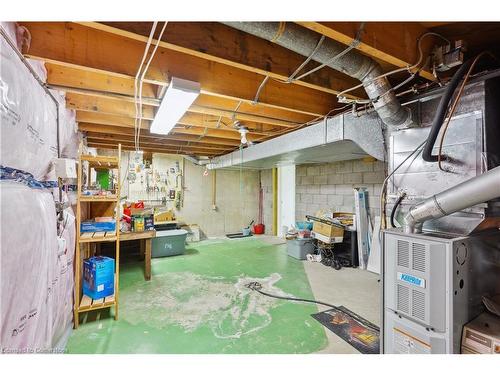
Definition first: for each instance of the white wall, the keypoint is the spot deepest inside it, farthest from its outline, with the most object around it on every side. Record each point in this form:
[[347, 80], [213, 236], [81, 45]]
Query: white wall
[[236, 195], [286, 198]]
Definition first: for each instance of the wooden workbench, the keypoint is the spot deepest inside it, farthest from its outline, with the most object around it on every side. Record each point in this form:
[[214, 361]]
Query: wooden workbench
[[145, 239]]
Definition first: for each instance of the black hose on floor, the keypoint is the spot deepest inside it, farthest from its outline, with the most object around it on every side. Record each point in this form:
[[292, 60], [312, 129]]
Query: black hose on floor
[[256, 286]]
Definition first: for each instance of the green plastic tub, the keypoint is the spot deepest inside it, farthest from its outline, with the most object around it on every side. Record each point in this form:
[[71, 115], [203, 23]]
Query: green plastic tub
[[168, 243]]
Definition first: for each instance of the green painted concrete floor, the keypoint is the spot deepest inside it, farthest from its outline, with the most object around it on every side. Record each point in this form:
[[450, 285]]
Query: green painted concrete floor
[[198, 303]]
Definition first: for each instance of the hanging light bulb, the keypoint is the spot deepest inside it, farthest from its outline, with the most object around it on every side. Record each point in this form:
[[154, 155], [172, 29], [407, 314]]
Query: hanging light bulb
[[243, 132]]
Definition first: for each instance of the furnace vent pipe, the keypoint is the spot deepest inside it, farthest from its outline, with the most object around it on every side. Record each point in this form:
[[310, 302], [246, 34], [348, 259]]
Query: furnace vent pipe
[[304, 41], [479, 189]]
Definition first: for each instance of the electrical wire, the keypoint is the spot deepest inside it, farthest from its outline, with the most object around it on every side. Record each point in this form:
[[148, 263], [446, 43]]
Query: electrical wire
[[367, 102], [257, 287], [136, 89], [415, 152], [261, 86], [410, 68], [306, 61], [355, 42], [394, 209], [453, 107], [142, 80]]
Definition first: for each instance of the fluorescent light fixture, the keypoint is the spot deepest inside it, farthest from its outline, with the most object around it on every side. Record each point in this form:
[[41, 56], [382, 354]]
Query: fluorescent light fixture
[[180, 95]]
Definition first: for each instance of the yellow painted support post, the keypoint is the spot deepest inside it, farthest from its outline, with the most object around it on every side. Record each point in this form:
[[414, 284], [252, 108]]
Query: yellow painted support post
[[275, 201], [214, 189]]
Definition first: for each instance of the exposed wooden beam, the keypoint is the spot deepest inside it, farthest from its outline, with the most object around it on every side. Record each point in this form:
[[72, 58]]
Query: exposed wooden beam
[[97, 128], [189, 119], [71, 75], [149, 149], [392, 42], [165, 142], [105, 104], [98, 102], [131, 143], [216, 42], [77, 78], [202, 120], [107, 119], [228, 114], [250, 108], [85, 46], [219, 133], [112, 108]]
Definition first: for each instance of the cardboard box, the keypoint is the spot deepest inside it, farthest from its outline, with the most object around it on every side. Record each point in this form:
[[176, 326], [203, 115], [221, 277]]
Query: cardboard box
[[163, 216], [141, 211], [328, 230], [149, 223], [138, 224], [482, 335], [99, 277]]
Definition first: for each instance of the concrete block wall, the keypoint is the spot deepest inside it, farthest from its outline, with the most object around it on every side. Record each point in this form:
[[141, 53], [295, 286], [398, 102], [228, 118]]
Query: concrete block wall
[[329, 186]]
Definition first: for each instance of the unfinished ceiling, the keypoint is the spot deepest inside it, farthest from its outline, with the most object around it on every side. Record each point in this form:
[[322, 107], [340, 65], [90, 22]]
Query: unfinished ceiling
[[96, 64]]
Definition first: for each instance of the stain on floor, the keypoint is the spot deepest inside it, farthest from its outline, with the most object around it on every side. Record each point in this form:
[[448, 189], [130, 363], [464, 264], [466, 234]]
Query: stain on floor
[[198, 303]]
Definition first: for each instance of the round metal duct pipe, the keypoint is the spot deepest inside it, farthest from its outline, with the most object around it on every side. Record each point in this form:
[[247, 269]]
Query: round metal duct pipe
[[303, 41], [482, 188]]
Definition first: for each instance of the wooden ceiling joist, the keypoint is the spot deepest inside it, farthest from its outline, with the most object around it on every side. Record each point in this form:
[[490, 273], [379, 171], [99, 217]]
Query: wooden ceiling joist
[[216, 42], [230, 105], [391, 42], [86, 46], [98, 101], [76, 76], [149, 149], [97, 128], [218, 133], [189, 119], [108, 105], [80, 79], [244, 117], [116, 111], [158, 145], [158, 141], [107, 119]]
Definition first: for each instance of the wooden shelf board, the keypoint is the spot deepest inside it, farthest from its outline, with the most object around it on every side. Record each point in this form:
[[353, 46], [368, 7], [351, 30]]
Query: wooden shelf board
[[88, 304], [98, 237], [101, 161], [98, 198]]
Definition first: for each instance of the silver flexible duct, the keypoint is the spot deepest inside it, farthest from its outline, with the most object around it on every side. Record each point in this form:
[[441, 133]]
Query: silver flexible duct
[[303, 41], [477, 190]]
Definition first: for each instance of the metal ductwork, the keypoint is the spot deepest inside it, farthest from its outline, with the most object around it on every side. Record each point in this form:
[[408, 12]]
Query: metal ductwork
[[303, 41], [343, 137], [482, 188]]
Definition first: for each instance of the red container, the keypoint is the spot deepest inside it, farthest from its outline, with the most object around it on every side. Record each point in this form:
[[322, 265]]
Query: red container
[[259, 228]]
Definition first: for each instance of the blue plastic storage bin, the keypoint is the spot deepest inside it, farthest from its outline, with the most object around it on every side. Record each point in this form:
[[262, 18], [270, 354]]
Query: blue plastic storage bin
[[301, 225], [99, 277]]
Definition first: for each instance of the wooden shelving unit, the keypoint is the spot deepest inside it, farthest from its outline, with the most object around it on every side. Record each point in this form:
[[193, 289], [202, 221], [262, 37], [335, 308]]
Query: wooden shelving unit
[[87, 243]]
